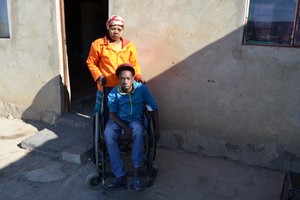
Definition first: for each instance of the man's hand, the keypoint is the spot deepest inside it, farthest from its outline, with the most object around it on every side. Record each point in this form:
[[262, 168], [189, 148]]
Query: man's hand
[[102, 80], [126, 133]]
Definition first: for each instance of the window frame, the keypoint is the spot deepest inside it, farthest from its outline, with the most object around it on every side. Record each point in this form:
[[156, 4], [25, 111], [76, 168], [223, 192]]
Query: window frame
[[295, 30], [6, 34]]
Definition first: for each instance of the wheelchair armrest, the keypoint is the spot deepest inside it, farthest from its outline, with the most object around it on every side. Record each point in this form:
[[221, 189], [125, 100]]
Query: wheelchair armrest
[[149, 108]]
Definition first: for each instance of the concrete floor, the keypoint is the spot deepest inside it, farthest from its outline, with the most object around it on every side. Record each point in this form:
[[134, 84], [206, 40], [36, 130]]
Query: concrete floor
[[28, 175]]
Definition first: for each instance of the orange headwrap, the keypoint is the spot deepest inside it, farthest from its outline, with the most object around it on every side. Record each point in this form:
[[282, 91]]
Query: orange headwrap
[[114, 20]]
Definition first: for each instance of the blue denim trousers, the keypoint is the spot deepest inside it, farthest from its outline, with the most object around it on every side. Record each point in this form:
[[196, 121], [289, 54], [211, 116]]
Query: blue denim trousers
[[111, 135]]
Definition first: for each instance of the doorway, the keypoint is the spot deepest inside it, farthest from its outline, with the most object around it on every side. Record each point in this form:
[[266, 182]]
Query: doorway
[[84, 22]]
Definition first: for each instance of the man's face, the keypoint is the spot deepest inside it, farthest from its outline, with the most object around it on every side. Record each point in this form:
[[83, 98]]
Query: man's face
[[126, 80], [115, 32]]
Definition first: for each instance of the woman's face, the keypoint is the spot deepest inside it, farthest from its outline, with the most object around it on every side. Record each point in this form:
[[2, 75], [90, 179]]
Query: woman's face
[[115, 32]]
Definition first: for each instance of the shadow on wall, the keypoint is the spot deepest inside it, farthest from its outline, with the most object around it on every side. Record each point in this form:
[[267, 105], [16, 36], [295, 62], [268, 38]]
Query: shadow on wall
[[200, 90], [48, 103], [234, 101], [227, 87]]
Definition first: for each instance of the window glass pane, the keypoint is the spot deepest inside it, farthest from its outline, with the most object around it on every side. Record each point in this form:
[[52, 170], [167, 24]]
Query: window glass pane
[[270, 22], [4, 28]]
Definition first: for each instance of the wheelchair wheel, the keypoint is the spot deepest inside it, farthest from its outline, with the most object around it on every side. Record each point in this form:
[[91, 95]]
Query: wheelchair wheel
[[93, 181], [152, 149], [150, 144]]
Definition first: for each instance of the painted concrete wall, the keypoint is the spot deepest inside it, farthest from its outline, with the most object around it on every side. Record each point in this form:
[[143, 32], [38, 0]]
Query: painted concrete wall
[[216, 96], [30, 61]]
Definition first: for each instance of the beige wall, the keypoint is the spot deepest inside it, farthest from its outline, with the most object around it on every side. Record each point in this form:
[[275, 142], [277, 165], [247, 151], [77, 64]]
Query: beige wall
[[216, 96], [31, 62]]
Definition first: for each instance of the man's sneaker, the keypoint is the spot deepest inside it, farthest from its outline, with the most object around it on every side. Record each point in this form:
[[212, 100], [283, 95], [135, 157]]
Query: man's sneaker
[[120, 183], [138, 185]]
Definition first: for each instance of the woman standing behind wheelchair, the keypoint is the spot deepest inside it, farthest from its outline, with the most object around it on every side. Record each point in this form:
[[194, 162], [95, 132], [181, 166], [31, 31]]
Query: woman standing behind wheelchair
[[107, 53]]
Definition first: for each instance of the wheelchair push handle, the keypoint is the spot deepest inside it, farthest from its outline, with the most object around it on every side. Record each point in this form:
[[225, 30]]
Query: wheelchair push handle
[[102, 80]]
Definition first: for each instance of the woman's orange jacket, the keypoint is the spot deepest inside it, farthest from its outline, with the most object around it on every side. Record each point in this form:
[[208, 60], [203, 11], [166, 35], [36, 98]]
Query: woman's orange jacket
[[103, 60]]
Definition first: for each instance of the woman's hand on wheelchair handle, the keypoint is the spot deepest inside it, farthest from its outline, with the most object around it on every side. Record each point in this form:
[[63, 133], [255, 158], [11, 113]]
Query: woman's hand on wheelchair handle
[[141, 80], [102, 80]]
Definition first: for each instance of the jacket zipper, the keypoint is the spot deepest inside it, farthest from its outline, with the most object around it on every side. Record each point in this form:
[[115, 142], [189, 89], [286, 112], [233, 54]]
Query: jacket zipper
[[130, 99]]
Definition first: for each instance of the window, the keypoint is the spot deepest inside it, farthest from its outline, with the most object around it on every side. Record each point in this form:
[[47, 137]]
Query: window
[[4, 28], [273, 22]]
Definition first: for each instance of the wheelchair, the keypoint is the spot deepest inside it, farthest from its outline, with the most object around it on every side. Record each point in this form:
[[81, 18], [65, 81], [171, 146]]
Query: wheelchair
[[100, 157]]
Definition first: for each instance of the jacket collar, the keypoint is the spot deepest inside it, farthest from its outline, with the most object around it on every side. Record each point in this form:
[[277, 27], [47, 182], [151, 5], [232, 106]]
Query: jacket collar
[[120, 90], [107, 40]]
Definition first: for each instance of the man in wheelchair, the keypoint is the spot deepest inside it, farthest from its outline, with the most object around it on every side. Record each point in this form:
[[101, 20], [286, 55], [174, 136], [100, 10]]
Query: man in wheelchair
[[126, 104]]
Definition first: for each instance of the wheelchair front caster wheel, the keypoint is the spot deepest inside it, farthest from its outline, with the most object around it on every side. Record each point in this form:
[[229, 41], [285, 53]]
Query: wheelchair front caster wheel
[[93, 181]]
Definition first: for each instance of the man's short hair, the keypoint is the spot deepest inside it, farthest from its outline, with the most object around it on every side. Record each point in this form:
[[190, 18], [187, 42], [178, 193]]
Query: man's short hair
[[123, 67]]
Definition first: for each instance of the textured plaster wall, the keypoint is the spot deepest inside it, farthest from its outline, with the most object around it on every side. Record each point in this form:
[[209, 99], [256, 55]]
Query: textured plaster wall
[[217, 97], [30, 63]]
